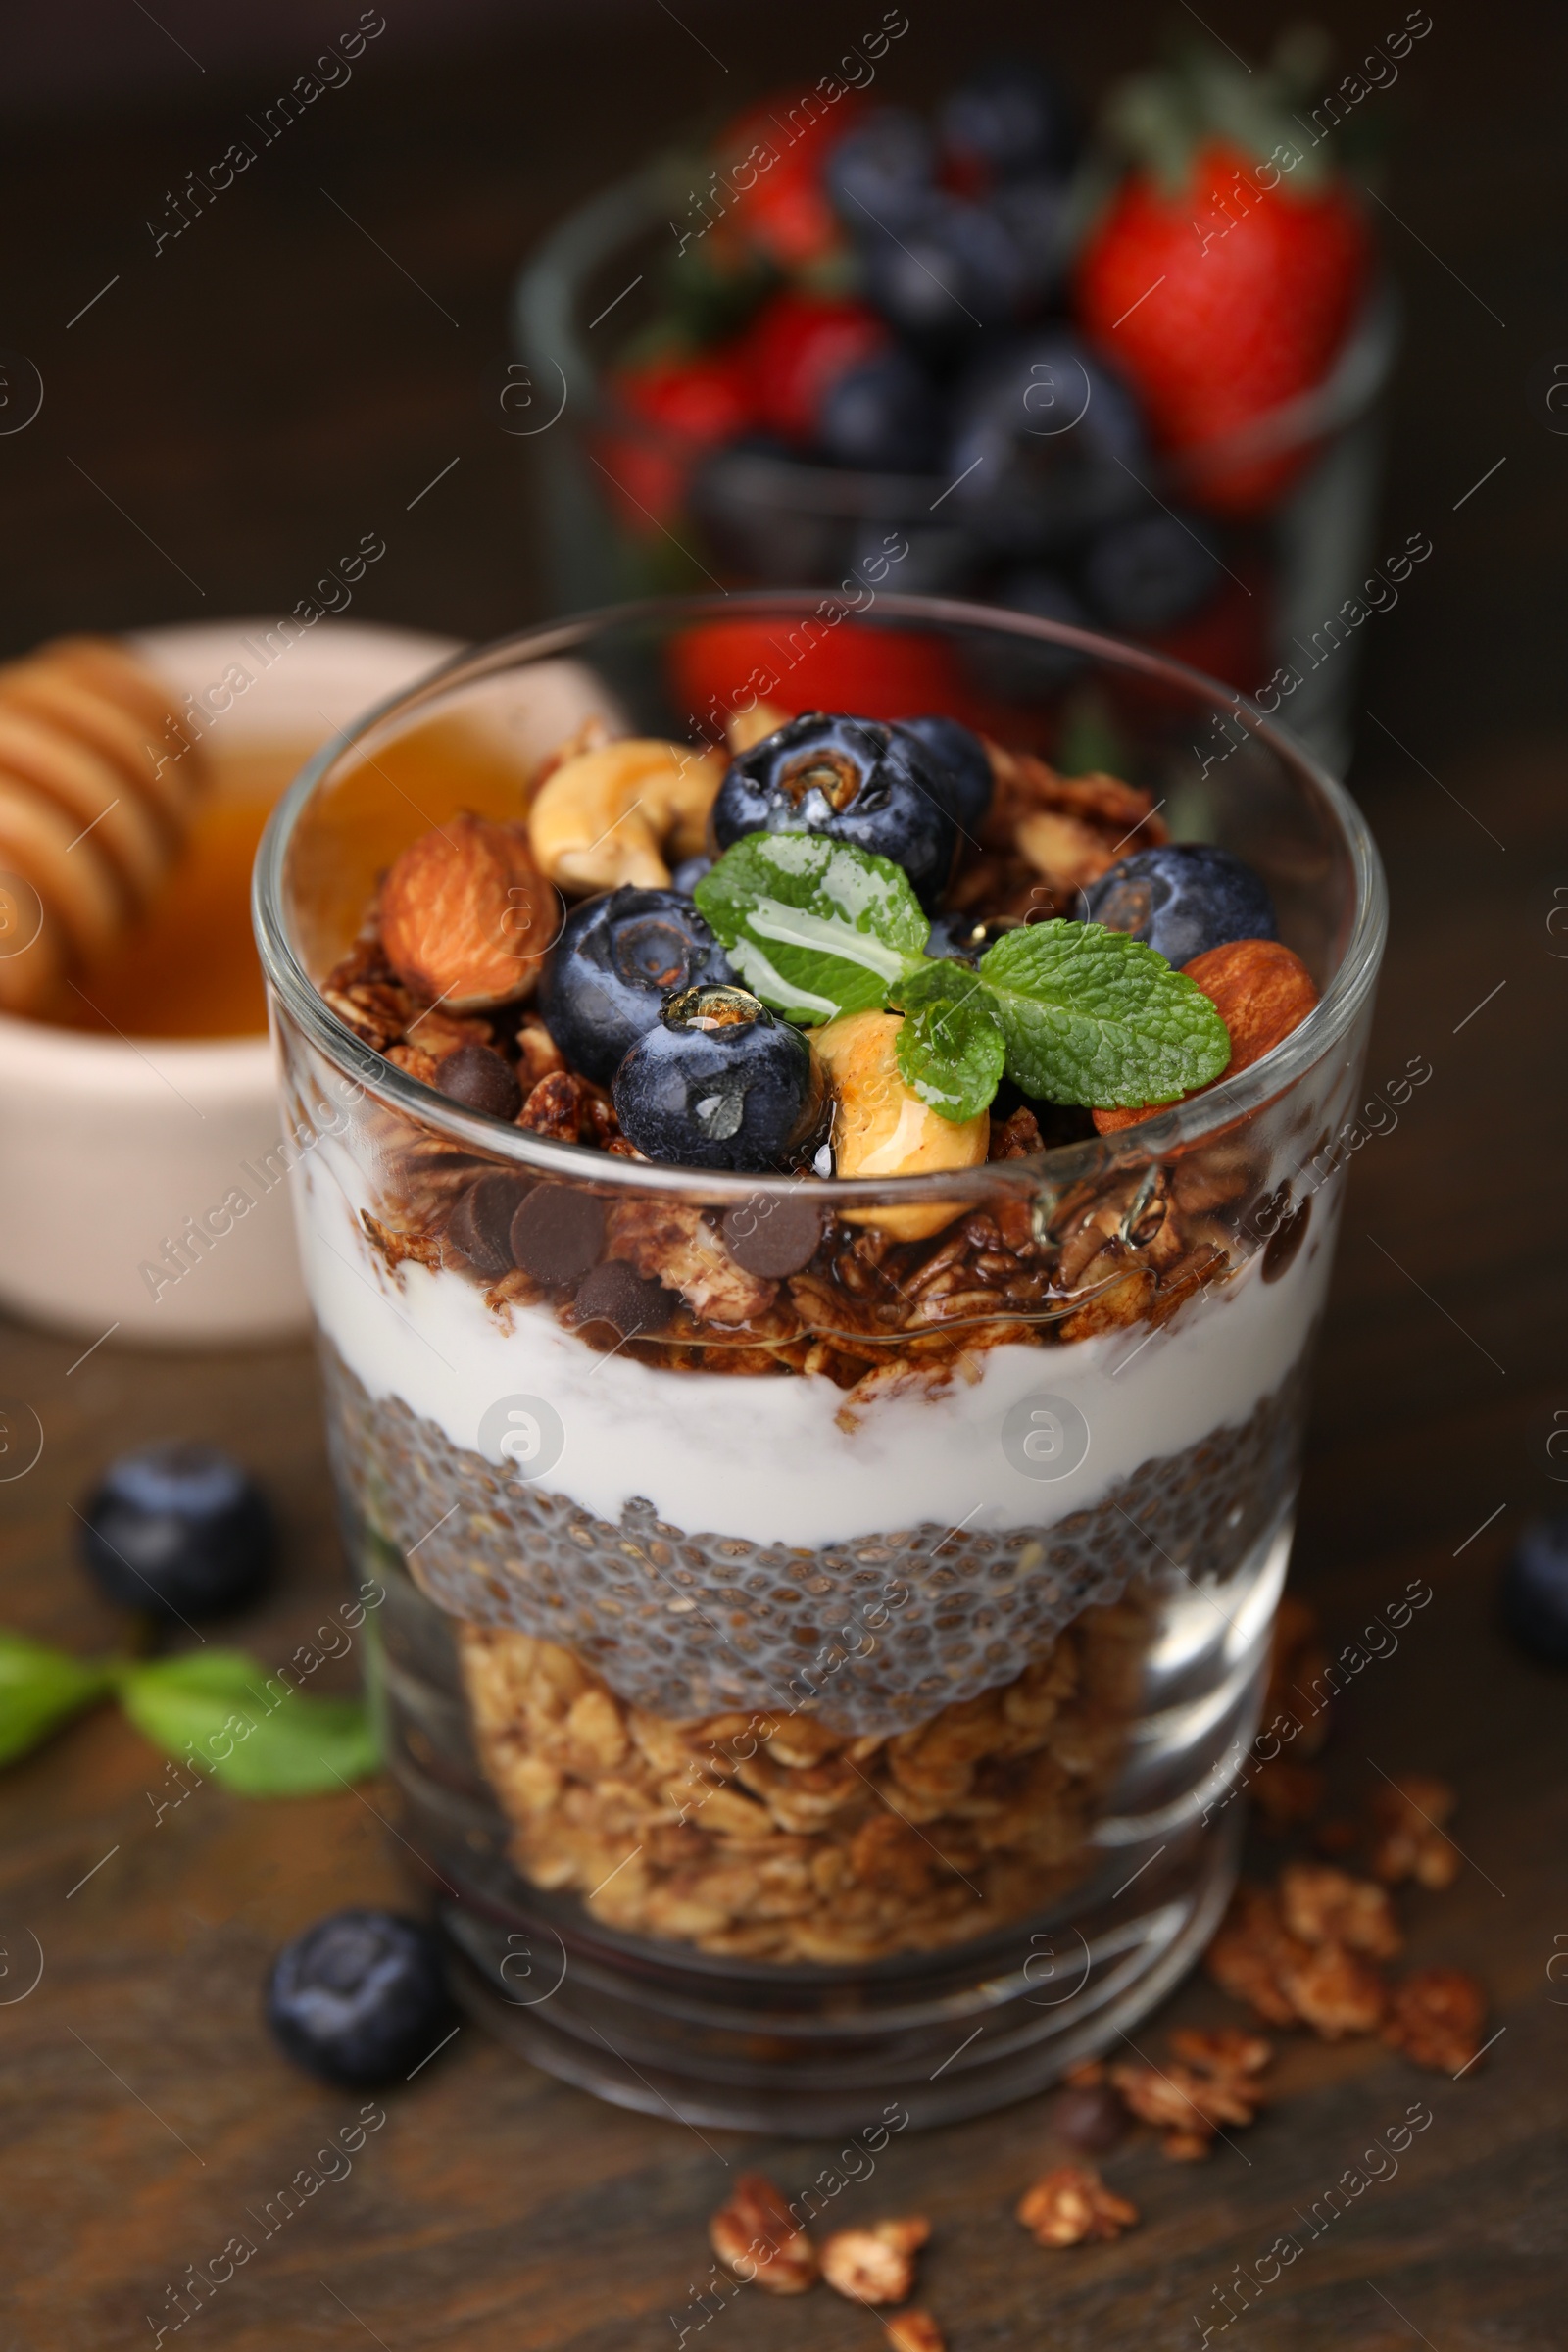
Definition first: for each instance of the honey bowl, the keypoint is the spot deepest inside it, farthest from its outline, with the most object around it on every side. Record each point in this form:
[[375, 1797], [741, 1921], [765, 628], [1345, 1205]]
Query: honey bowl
[[141, 1161]]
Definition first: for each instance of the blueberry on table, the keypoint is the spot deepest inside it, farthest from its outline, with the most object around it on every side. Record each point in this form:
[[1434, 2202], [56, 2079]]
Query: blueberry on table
[[1535, 1592], [718, 1082], [180, 1528], [1181, 900], [853, 779], [959, 763], [359, 1997], [1149, 573], [616, 960]]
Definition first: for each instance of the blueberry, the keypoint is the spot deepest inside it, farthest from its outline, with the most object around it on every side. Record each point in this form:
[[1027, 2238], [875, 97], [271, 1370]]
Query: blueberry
[[718, 1082], [1182, 898], [853, 779], [1149, 573], [1047, 443], [1019, 669], [618, 957], [1535, 1592], [360, 1997], [953, 269], [882, 416], [963, 938], [876, 173], [959, 763], [686, 876], [180, 1529], [1006, 117]]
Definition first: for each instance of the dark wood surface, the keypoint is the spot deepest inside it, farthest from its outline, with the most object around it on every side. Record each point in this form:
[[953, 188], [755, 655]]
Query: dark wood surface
[[269, 386]]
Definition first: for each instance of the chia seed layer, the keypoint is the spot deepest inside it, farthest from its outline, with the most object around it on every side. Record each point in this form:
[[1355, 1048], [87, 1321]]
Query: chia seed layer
[[872, 1635]]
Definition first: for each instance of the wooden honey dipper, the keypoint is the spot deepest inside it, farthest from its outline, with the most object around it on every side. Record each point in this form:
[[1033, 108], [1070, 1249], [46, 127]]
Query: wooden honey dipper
[[98, 779]]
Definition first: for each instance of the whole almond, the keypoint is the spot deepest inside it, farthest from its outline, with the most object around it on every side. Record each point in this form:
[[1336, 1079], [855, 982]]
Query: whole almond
[[1262, 990], [466, 915]]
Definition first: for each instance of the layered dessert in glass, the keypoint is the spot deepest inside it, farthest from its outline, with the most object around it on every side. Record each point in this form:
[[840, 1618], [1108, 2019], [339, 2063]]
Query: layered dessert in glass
[[820, 1376]]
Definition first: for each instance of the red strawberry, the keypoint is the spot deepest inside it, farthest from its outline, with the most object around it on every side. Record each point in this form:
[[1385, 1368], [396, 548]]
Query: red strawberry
[[797, 347], [1221, 283], [814, 664], [690, 402], [777, 150]]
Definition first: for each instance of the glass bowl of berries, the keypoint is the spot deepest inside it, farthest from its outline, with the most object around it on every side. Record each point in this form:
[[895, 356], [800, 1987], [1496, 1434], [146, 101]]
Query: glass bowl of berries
[[817, 1204], [1124, 381]]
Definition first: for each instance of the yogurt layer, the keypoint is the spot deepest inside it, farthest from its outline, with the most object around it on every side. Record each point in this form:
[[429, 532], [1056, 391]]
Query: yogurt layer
[[769, 1458]]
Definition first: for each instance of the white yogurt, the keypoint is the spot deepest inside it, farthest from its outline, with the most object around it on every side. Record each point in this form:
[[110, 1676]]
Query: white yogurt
[[769, 1458]]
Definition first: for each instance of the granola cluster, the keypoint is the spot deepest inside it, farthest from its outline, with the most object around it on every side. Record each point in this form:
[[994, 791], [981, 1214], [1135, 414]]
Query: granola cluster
[[775, 1837], [759, 2240]]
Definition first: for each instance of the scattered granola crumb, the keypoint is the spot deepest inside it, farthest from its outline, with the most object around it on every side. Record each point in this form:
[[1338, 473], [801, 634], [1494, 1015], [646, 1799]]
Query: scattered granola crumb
[[758, 2238], [875, 2265], [1436, 2016], [914, 2332], [1408, 1815], [1287, 1795], [1248, 1954], [1071, 2205], [1187, 2147], [1223, 2049], [1334, 1990], [1325, 1905]]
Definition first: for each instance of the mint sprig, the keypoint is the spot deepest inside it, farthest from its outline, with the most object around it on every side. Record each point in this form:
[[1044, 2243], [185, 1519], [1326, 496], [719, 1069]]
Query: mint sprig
[[255, 1734], [1071, 1013]]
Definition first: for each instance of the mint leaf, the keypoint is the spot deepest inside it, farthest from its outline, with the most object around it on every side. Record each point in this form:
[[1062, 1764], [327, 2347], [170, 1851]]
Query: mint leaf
[[814, 927], [950, 1049], [1092, 1017], [255, 1733], [41, 1688]]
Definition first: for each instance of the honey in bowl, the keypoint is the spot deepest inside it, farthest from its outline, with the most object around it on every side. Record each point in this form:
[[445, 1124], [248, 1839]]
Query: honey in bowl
[[188, 968]]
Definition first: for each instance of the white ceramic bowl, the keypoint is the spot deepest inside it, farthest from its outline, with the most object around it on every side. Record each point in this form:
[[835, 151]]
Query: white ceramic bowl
[[107, 1145]]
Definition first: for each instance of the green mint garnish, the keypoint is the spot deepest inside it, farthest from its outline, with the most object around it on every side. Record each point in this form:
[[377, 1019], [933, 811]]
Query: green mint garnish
[[1070, 1011], [951, 1048], [260, 1736], [40, 1690], [1092, 1017], [813, 927], [217, 1708]]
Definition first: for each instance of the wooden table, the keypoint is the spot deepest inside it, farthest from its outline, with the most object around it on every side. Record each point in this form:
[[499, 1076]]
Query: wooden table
[[271, 384]]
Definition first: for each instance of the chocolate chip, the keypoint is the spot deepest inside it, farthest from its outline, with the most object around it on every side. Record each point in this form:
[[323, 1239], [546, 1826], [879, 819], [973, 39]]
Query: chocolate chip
[[557, 1233], [1284, 1242], [773, 1236], [478, 1079], [613, 1294], [1088, 2116], [481, 1222]]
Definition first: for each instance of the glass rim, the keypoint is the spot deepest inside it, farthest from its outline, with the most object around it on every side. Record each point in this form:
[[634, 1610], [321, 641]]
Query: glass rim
[[1178, 1128]]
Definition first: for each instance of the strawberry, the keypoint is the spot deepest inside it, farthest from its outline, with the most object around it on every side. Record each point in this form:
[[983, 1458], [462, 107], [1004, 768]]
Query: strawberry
[[1222, 277], [797, 347], [814, 664], [772, 157], [684, 403]]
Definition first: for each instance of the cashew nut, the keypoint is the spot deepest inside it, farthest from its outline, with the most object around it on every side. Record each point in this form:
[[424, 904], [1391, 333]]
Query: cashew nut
[[882, 1128], [612, 815]]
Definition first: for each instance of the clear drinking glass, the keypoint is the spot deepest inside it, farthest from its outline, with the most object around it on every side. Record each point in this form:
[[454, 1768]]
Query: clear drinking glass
[[831, 1692]]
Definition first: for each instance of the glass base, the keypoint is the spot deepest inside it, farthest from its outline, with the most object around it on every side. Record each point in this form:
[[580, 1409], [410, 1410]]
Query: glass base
[[681, 2042]]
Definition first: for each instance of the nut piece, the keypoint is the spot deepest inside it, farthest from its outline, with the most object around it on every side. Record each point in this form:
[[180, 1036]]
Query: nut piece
[[875, 2265], [758, 2238], [609, 816], [466, 916], [1436, 2016], [1261, 992], [1409, 1815], [1325, 1905], [882, 1128], [1335, 1991], [914, 2332], [1072, 2204]]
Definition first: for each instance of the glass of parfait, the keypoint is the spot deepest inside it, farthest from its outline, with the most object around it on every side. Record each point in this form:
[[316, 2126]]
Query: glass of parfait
[[832, 1518]]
